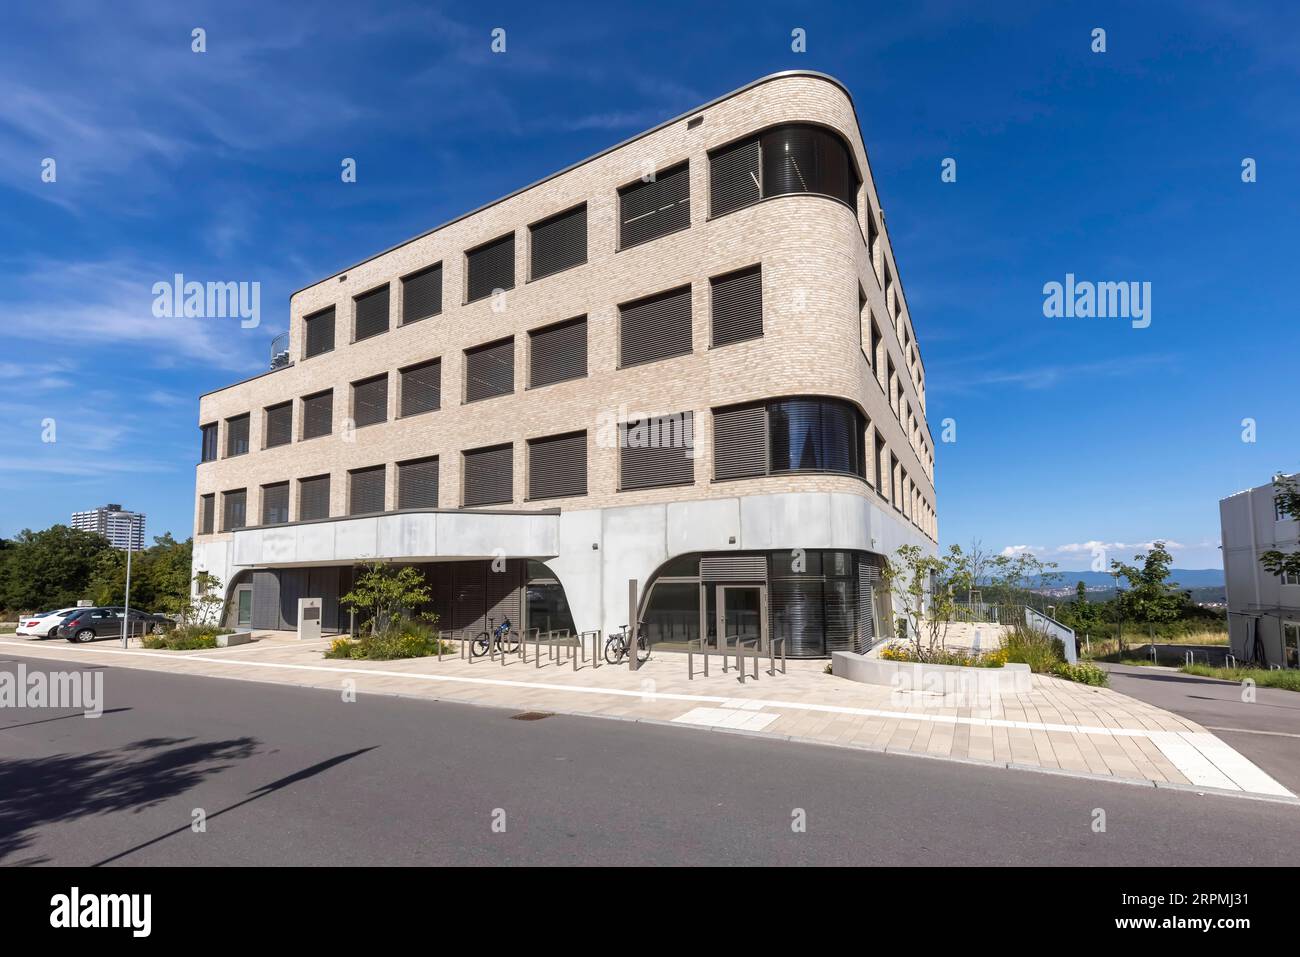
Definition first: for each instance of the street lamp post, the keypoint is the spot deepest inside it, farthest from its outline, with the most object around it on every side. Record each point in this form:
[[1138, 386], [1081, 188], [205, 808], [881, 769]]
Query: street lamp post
[[126, 611]]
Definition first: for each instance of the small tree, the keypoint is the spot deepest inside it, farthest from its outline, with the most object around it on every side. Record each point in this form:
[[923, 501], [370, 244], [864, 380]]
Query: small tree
[[204, 606], [381, 594], [1286, 495], [922, 586], [1151, 598]]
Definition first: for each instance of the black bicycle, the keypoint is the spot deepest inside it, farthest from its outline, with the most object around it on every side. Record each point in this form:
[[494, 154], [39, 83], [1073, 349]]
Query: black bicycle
[[507, 641], [617, 644]]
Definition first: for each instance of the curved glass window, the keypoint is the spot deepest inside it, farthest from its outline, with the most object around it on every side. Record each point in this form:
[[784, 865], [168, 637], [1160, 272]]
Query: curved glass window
[[807, 159], [815, 435], [793, 158]]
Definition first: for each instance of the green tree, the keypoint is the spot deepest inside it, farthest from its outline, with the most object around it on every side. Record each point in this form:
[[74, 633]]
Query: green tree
[[1151, 598], [49, 568], [1287, 496], [382, 594], [922, 588]]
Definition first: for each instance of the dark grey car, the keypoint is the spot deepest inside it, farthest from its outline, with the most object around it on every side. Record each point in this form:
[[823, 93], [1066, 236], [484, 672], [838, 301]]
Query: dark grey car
[[87, 624]]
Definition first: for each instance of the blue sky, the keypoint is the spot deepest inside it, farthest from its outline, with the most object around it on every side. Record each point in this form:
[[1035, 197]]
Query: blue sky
[[1120, 166]]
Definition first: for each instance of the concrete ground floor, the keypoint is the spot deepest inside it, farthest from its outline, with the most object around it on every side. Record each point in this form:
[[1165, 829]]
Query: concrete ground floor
[[1056, 726]]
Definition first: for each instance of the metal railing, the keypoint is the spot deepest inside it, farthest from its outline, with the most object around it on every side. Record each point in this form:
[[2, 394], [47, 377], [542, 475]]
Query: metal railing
[[742, 646]]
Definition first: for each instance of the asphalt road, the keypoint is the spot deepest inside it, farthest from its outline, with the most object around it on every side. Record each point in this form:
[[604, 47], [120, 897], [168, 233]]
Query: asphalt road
[[1266, 730], [297, 776]]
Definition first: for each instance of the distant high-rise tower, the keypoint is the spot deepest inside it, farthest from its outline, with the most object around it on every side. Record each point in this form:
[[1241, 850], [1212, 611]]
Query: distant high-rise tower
[[122, 529]]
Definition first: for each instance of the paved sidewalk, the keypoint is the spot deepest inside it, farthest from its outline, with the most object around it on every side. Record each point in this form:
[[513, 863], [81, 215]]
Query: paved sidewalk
[[1058, 726]]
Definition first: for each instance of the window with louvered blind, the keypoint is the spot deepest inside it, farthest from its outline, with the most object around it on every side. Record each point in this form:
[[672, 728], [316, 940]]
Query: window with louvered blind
[[237, 435], [490, 267], [739, 442], [421, 387], [318, 414], [207, 514], [557, 353], [801, 158], [649, 210], [208, 448], [737, 306], [880, 462], [656, 327], [279, 425], [557, 466], [234, 512], [490, 370], [656, 451], [313, 498], [734, 177], [319, 337], [417, 483], [422, 294], [370, 401], [371, 311], [559, 242], [489, 476], [366, 490], [815, 435], [275, 503]]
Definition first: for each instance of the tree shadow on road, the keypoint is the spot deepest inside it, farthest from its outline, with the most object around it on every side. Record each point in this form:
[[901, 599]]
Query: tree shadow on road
[[65, 787]]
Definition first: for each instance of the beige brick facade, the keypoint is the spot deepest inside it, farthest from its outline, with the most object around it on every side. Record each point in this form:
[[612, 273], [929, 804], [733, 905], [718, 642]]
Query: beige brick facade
[[814, 261]]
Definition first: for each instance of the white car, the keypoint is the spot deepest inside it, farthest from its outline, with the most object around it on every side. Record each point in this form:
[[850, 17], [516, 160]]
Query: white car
[[42, 624]]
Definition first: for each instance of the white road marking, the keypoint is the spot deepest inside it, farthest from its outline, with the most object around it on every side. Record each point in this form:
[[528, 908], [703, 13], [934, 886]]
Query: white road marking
[[727, 718]]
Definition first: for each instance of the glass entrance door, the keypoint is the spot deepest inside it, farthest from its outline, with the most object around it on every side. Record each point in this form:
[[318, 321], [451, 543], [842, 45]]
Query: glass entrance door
[[741, 615], [244, 617]]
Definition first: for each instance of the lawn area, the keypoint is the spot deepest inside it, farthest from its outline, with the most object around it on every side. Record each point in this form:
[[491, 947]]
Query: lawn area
[[1287, 679]]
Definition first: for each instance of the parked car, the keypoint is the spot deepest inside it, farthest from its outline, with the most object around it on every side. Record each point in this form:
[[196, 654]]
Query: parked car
[[42, 624], [87, 624]]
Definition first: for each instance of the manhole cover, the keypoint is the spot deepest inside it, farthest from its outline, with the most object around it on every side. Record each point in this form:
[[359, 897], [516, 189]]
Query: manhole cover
[[531, 716]]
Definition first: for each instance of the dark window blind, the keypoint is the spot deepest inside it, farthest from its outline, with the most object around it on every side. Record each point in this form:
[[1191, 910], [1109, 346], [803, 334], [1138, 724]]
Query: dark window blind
[[557, 466], [317, 414], [422, 294], [279, 425], [313, 498], [656, 327], [557, 353], [490, 267], [737, 306], [371, 313], [489, 476], [650, 210], [734, 173], [657, 451], [421, 387], [366, 490], [320, 333], [370, 401], [490, 370], [559, 242], [417, 483]]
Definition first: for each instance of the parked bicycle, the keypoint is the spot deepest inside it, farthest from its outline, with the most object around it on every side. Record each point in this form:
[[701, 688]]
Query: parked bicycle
[[616, 646], [507, 641]]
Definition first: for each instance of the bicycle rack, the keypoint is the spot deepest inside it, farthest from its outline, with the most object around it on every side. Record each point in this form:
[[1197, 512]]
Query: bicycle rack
[[741, 645], [690, 657], [1230, 660], [771, 654]]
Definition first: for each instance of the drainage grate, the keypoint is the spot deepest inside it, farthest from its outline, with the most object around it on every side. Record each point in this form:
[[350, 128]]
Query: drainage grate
[[531, 716]]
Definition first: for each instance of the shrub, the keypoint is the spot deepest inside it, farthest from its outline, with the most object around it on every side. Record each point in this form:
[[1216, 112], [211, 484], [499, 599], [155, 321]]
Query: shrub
[[401, 639], [1031, 647], [942, 656], [1084, 673], [185, 638]]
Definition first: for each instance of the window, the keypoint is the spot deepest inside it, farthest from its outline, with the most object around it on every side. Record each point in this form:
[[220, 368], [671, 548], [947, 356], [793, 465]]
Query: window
[[739, 442], [207, 513], [313, 498], [366, 490], [420, 387], [656, 451], [557, 353], [319, 333], [815, 435], [647, 211], [371, 313], [882, 477], [734, 177], [490, 267], [559, 242], [279, 425], [557, 466], [234, 511], [895, 482], [317, 414], [370, 401], [275, 503], [873, 233], [737, 306], [417, 483], [237, 435], [489, 476], [422, 294], [490, 370], [208, 442], [1290, 578], [656, 327], [795, 158], [1280, 514], [1291, 644]]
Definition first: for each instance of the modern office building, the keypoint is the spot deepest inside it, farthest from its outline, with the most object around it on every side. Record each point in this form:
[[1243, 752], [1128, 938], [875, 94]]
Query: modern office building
[[686, 361], [1263, 608], [122, 529]]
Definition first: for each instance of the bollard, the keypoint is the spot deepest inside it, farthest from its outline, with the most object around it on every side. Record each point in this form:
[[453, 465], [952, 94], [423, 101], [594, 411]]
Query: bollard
[[439, 640], [537, 647]]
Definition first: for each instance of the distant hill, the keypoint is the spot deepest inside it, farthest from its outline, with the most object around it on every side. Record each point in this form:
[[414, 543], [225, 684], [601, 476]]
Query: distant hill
[[1184, 577]]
